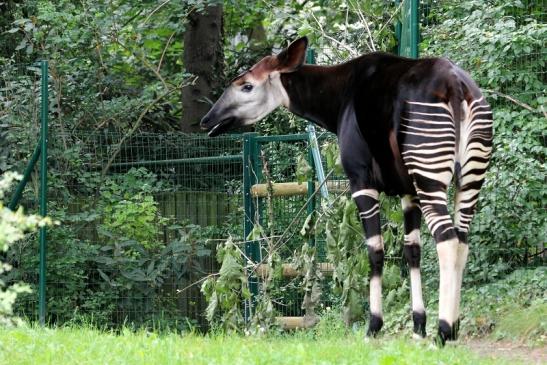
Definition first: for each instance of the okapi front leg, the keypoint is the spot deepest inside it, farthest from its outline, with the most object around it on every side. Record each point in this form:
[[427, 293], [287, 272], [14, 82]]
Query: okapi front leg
[[412, 252], [369, 213]]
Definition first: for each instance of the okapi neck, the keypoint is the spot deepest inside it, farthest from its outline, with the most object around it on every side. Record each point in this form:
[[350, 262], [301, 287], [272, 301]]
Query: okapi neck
[[317, 93]]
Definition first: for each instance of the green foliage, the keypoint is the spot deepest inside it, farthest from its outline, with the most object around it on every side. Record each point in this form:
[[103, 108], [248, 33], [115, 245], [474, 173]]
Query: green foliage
[[509, 308], [331, 151], [344, 240], [501, 43], [528, 324], [113, 259], [227, 292], [495, 41], [13, 227], [128, 209], [306, 265], [304, 171]]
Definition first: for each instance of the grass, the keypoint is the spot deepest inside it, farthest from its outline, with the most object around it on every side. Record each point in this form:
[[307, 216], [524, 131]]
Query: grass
[[34, 345], [512, 309]]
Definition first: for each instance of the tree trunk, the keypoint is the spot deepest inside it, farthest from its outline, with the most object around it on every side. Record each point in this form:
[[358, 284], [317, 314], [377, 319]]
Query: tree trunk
[[203, 57]]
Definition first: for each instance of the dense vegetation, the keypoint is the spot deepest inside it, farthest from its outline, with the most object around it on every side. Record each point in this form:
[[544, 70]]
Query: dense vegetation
[[13, 227], [119, 66]]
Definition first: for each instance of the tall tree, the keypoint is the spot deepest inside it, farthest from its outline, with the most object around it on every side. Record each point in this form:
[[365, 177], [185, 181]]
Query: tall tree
[[203, 57]]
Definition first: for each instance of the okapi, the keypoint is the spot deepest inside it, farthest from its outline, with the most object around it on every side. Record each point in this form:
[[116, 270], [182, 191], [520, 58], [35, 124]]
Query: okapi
[[405, 127]]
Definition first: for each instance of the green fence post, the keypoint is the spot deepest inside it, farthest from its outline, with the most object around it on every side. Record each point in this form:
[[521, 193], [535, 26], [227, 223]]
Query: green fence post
[[312, 140], [249, 179], [407, 31], [398, 32], [311, 190], [43, 190], [414, 28]]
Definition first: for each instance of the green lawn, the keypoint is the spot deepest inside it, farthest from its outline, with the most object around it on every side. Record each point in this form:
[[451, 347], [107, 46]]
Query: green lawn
[[87, 346]]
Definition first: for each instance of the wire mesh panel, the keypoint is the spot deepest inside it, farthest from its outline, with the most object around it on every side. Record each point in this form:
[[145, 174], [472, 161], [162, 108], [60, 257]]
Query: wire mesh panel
[[502, 45], [140, 219]]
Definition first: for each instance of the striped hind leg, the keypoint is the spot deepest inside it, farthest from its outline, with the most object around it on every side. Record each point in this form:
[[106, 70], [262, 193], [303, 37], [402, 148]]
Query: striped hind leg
[[433, 201], [472, 161], [412, 253], [429, 151], [439, 222]]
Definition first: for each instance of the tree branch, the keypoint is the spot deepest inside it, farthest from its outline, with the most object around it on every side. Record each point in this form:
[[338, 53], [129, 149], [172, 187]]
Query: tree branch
[[518, 102], [134, 128]]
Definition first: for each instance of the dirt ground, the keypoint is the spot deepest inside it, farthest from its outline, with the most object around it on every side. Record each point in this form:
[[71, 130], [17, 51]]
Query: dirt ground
[[507, 351]]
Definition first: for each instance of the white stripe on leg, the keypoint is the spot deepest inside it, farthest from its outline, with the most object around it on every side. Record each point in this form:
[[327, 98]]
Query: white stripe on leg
[[447, 252], [416, 290], [376, 295], [463, 251]]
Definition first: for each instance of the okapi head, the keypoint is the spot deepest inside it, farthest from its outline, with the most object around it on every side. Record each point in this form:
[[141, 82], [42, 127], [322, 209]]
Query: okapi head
[[256, 92]]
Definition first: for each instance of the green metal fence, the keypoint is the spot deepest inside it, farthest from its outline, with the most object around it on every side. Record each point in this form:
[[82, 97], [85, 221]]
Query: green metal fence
[[29, 75]]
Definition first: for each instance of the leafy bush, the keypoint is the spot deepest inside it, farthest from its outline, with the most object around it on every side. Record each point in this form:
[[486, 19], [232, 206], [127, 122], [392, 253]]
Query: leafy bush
[[227, 293], [344, 242], [13, 227], [510, 308]]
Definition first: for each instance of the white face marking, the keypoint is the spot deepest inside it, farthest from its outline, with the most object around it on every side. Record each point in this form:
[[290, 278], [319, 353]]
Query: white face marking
[[253, 100]]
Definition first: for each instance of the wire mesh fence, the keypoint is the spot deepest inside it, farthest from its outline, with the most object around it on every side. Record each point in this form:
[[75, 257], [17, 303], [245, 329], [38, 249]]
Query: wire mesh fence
[[141, 216], [502, 42]]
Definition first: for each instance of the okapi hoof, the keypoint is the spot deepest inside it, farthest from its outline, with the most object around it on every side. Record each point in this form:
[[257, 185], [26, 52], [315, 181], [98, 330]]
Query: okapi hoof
[[419, 320], [447, 332], [375, 325]]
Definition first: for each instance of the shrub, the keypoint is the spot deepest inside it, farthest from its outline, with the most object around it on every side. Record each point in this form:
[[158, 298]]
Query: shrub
[[13, 227]]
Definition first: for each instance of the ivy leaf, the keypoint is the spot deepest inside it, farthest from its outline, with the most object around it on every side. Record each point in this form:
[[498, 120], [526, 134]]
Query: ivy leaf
[[304, 171], [307, 227], [256, 234], [212, 307]]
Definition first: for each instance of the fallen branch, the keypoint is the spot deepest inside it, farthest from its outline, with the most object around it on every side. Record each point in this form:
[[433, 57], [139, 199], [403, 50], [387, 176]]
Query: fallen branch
[[515, 101]]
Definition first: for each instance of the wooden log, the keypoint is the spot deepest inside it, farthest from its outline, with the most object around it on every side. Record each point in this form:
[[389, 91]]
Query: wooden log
[[295, 188], [279, 189], [291, 323], [290, 272]]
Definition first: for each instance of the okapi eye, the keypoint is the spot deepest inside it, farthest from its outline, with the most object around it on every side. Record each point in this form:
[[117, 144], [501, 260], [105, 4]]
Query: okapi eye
[[247, 87]]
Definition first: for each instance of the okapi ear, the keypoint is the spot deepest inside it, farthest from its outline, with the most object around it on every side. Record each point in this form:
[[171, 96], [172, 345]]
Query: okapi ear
[[292, 57]]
